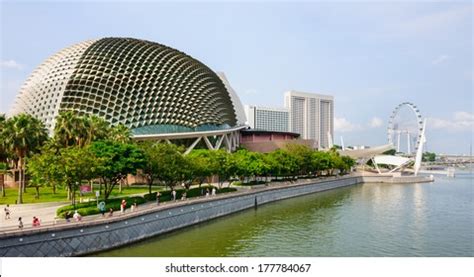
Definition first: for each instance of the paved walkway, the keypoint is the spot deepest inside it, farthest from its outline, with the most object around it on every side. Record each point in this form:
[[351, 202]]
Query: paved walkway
[[46, 212]]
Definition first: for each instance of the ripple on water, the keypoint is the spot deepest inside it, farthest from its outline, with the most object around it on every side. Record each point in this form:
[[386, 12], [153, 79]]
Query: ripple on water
[[431, 219]]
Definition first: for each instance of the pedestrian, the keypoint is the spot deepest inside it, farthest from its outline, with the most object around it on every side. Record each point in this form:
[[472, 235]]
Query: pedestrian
[[68, 216], [20, 223], [213, 191], [158, 194], [174, 195], [207, 192], [7, 212], [77, 216], [183, 196], [36, 222], [102, 208], [136, 206], [111, 212], [123, 206]]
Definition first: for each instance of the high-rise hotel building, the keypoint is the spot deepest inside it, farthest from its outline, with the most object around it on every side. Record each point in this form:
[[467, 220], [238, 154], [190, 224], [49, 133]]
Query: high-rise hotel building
[[311, 115], [268, 119]]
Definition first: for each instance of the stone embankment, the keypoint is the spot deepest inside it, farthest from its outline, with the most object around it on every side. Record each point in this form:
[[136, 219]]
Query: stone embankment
[[87, 237]]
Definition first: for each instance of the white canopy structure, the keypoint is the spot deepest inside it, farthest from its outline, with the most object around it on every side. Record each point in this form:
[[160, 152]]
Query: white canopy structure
[[396, 161]]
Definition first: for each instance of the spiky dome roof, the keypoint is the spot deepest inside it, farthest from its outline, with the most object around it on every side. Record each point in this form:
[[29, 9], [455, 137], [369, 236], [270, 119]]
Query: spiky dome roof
[[147, 86]]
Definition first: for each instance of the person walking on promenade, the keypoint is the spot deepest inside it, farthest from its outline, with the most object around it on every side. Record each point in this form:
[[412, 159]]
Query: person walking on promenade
[[134, 207], [20, 223], [123, 206], [158, 194], [36, 222], [213, 191], [7, 212], [111, 212], [207, 192], [77, 216], [102, 208], [174, 195], [183, 197], [68, 216]]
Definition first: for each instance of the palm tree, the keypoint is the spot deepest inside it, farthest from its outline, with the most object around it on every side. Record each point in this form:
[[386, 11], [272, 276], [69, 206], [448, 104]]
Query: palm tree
[[120, 133], [97, 128], [22, 135], [3, 156], [73, 129], [69, 128], [3, 171]]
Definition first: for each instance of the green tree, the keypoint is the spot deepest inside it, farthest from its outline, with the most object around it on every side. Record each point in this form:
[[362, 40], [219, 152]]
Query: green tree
[[250, 164], [118, 160], [224, 165], [282, 163], [429, 157], [70, 129], [348, 163], [202, 165], [45, 169], [3, 155], [4, 170], [303, 154], [151, 166], [81, 130], [120, 133], [171, 164], [97, 128], [321, 161], [390, 152], [76, 164], [23, 134]]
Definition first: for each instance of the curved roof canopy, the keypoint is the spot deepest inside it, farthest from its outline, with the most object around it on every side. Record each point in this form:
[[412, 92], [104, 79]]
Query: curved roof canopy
[[149, 87]]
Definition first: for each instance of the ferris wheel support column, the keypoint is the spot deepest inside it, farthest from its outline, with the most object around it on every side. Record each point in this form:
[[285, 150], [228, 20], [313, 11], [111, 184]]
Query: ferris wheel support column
[[408, 144], [398, 141]]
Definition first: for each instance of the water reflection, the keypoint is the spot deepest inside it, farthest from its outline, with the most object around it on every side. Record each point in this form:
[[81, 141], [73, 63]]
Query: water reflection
[[430, 219]]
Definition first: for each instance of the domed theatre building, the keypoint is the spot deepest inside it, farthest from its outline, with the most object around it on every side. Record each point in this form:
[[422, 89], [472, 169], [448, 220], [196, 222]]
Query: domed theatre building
[[158, 92]]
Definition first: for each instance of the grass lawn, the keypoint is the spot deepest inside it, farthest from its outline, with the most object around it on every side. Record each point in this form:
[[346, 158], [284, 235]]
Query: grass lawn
[[46, 194]]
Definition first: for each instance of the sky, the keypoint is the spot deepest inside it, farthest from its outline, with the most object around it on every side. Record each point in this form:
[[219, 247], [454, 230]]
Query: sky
[[371, 56]]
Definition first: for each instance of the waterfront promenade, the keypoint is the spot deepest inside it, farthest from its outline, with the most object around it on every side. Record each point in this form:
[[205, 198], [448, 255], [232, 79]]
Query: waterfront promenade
[[97, 234]]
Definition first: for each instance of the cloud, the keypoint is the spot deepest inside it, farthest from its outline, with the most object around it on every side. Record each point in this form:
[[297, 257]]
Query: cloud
[[440, 59], [375, 122], [435, 22], [461, 121], [11, 64], [341, 124]]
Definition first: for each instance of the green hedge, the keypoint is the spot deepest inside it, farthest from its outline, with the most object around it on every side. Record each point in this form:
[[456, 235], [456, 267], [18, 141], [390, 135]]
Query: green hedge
[[90, 208]]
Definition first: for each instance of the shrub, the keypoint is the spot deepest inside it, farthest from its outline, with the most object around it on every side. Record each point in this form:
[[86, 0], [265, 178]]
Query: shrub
[[89, 207], [88, 211], [225, 190], [150, 196]]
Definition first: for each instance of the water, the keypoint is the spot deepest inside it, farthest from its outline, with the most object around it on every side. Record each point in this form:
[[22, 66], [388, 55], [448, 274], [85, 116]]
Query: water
[[426, 219]]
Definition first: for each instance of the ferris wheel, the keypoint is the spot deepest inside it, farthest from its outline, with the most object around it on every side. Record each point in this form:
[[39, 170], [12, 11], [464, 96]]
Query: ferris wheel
[[406, 121]]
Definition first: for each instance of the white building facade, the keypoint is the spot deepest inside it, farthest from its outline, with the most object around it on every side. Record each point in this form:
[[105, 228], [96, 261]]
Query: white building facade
[[311, 115], [268, 119]]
